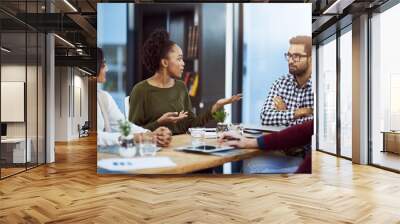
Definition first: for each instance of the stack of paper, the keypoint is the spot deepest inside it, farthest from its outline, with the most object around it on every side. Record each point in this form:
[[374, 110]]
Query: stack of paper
[[119, 164]]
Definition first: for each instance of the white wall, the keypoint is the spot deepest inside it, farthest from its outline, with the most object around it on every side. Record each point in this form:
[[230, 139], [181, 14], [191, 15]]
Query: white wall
[[33, 126], [71, 94], [61, 104], [80, 109], [14, 73]]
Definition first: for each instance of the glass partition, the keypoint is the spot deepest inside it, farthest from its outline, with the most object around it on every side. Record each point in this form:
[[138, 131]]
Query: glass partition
[[13, 87], [22, 88], [346, 94], [31, 98], [327, 96]]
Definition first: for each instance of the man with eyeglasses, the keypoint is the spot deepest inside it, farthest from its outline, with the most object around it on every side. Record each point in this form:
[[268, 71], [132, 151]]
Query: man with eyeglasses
[[290, 100]]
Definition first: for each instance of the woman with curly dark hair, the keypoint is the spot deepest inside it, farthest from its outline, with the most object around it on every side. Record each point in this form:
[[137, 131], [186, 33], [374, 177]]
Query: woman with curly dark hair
[[163, 99], [109, 115]]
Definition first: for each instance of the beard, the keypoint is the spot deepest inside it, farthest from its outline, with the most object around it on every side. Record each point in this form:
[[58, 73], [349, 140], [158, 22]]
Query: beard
[[296, 71]]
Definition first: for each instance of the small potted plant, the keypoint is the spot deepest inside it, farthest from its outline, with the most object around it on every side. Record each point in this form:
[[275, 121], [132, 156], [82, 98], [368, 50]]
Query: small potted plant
[[126, 140], [220, 116]]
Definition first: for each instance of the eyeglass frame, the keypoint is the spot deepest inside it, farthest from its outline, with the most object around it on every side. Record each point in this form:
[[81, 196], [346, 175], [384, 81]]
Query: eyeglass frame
[[295, 57]]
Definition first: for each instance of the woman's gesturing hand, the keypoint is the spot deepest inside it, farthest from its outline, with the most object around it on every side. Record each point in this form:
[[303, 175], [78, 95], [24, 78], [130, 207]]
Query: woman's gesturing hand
[[221, 102], [172, 117]]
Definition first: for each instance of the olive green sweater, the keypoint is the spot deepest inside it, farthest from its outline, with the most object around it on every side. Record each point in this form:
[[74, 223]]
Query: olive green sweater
[[148, 103]]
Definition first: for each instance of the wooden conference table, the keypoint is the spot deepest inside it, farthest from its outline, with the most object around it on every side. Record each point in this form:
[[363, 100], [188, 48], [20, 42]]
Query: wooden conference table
[[187, 162]]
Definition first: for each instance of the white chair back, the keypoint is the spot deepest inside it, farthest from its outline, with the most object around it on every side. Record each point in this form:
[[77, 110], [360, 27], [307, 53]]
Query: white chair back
[[127, 107]]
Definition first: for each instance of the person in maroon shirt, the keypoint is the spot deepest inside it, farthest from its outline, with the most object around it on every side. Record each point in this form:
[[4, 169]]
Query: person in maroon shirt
[[294, 136]]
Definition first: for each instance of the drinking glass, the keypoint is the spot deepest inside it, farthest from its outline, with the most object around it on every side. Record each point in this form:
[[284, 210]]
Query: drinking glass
[[236, 128], [127, 147], [197, 135], [148, 144], [221, 128]]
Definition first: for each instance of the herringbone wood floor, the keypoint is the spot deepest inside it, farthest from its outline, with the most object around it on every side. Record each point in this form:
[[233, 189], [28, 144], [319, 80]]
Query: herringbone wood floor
[[70, 191]]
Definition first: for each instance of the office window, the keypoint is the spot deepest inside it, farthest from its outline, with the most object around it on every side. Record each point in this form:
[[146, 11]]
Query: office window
[[385, 84], [265, 43], [346, 94], [113, 40], [327, 96]]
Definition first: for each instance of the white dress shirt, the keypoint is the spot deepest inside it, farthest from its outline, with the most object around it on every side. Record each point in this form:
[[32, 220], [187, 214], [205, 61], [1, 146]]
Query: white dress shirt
[[108, 115]]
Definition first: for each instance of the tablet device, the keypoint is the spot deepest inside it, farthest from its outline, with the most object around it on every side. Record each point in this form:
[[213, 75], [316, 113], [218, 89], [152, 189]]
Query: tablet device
[[205, 148], [252, 131], [264, 128]]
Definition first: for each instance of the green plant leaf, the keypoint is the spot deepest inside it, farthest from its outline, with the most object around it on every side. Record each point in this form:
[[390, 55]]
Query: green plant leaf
[[124, 127], [220, 115]]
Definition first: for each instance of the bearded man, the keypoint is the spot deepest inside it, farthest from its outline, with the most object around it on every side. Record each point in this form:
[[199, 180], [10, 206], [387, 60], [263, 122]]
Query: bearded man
[[291, 99]]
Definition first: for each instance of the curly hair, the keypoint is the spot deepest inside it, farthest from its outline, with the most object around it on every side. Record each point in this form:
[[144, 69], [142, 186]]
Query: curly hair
[[155, 48]]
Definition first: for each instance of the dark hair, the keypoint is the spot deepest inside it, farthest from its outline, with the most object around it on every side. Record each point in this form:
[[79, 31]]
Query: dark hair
[[304, 40], [155, 48], [100, 60]]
